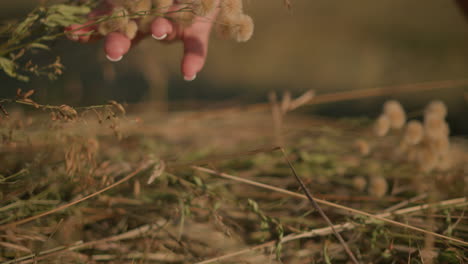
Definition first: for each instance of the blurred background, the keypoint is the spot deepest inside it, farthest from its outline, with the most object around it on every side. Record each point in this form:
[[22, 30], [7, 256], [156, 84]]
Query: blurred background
[[323, 45]]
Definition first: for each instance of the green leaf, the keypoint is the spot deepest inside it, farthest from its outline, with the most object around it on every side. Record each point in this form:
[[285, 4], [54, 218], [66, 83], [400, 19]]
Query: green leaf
[[9, 67], [64, 15], [39, 46], [22, 30]]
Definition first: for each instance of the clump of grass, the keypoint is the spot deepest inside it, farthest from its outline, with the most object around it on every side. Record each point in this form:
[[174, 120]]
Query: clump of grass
[[182, 190]]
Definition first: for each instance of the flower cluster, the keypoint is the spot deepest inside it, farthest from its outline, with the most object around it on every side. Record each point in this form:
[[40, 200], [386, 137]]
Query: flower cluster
[[393, 117], [427, 143], [130, 16]]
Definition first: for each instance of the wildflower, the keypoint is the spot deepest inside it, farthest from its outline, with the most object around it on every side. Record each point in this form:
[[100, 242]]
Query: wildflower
[[183, 17], [382, 125], [414, 133], [117, 23], [427, 159], [131, 29], [134, 6], [440, 146], [230, 8], [244, 28], [204, 7], [435, 127], [437, 108], [445, 163], [162, 6], [395, 113]]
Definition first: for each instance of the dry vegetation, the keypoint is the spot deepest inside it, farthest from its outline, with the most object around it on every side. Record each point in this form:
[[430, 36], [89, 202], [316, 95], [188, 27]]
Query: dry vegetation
[[95, 184]]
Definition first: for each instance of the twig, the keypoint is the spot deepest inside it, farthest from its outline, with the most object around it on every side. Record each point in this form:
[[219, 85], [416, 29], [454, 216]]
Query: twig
[[277, 116], [382, 217], [237, 253], [80, 245], [321, 212], [348, 95], [405, 203], [325, 231], [160, 257], [60, 208]]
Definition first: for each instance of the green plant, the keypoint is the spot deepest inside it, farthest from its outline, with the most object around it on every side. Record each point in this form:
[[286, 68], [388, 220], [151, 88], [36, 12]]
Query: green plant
[[23, 39]]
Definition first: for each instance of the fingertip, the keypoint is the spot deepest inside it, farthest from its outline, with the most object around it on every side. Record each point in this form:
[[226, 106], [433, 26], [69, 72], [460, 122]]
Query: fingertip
[[195, 51], [80, 32], [192, 64], [161, 28], [190, 78], [116, 46], [116, 59], [159, 38]]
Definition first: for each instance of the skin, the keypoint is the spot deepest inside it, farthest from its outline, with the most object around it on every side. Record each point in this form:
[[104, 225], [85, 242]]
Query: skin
[[195, 40]]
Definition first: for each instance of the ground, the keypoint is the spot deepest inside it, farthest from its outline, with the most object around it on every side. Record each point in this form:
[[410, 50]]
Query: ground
[[99, 185]]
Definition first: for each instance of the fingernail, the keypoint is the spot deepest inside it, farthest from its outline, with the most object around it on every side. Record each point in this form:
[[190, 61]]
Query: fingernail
[[114, 60], [189, 79], [159, 38]]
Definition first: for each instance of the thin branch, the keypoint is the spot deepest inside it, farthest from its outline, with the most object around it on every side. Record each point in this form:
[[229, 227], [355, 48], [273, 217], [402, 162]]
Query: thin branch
[[137, 232], [327, 230], [321, 212], [382, 217], [60, 208], [346, 95]]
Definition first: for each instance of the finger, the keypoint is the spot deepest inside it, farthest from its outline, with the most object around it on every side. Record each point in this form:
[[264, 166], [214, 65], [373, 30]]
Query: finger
[[116, 46], [195, 51], [161, 28], [80, 33]]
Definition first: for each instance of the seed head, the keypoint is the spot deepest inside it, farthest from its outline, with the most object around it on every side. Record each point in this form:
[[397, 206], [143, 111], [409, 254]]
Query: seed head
[[359, 183], [382, 125], [204, 7], [440, 146], [230, 8], [133, 6], [118, 23], [162, 6], [245, 28], [414, 133], [378, 186], [395, 113], [68, 112], [131, 29], [437, 108], [435, 127], [426, 159], [445, 163], [183, 18]]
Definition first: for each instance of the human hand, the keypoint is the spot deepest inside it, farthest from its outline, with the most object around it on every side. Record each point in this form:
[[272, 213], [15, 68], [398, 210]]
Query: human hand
[[195, 36]]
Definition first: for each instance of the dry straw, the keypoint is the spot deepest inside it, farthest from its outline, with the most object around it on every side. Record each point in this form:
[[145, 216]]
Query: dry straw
[[362, 147]]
